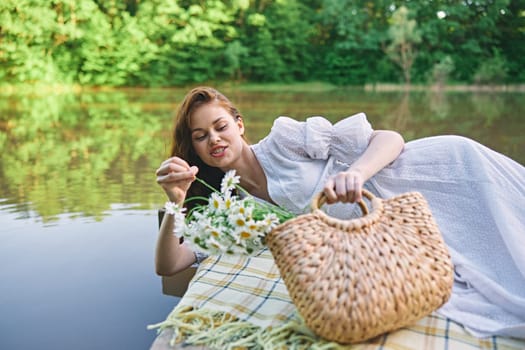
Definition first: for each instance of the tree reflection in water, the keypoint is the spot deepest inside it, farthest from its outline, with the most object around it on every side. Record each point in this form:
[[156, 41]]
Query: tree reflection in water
[[83, 154]]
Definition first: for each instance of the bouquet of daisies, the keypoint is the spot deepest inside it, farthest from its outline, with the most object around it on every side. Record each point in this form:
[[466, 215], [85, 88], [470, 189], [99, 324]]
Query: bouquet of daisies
[[229, 223]]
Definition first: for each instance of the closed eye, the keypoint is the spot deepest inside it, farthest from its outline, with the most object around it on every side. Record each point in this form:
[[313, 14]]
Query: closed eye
[[201, 134], [200, 138]]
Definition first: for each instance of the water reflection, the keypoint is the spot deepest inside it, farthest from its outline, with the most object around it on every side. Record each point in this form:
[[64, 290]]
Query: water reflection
[[78, 195], [77, 154], [81, 153]]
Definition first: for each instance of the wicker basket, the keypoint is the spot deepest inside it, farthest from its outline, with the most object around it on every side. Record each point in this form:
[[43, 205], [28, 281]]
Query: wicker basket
[[352, 280]]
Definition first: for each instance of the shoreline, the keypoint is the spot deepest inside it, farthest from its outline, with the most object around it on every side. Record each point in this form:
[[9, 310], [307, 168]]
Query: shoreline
[[448, 87], [289, 87]]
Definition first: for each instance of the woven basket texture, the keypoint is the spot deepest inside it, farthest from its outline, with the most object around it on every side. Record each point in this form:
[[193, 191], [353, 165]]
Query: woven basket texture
[[352, 280]]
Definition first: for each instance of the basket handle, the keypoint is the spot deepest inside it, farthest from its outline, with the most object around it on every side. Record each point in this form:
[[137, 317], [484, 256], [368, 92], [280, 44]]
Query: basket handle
[[320, 199]]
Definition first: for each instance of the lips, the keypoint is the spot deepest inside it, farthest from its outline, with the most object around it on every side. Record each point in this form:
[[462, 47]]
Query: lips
[[218, 151]]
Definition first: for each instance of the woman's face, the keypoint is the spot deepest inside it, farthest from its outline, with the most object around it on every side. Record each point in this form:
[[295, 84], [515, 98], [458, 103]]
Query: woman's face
[[216, 136]]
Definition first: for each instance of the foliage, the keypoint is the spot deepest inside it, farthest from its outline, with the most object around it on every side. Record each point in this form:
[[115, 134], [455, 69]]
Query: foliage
[[349, 39], [441, 71], [403, 35], [181, 42], [491, 71]]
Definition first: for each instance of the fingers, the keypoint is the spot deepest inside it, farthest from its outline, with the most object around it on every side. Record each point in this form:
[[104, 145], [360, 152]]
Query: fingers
[[176, 177], [328, 190], [344, 187], [173, 164], [175, 169], [194, 169], [358, 191]]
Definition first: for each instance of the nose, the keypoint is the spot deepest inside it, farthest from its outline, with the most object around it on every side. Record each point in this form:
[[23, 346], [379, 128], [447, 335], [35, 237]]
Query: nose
[[214, 137]]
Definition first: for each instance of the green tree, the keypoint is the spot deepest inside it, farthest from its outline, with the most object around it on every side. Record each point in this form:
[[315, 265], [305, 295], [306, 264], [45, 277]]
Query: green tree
[[403, 35], [277, 36], [179, 42], [191, 39], [27, 35], [348, 40], [492, 70], [510, 35], [467, 31], [442, 70]]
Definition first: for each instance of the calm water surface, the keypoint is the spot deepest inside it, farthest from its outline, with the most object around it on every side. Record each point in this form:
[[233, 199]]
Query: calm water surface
[[78, 196]]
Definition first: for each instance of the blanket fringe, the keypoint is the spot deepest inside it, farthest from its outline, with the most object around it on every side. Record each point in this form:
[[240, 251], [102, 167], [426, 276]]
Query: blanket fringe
[[220, 330]]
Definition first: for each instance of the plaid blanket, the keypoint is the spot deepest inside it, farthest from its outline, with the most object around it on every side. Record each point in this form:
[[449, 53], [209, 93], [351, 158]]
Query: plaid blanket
[[249, 288], [249, 292]]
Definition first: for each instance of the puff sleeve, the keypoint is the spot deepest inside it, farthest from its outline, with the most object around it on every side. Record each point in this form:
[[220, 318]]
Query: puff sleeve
[[318, 138], [298, 156]]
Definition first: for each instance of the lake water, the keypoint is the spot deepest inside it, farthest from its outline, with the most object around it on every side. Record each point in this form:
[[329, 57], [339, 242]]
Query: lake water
[[78, 198]]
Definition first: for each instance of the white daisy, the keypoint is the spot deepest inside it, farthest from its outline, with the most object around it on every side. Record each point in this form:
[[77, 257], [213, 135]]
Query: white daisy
[[216, 202], [229, 224], [229, 181], [179, 225]]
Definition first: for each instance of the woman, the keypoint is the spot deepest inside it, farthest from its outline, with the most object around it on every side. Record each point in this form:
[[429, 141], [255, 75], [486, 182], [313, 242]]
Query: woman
[[476, 194]]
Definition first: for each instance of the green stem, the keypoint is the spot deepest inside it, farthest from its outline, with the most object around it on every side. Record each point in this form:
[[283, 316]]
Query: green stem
[[206, 184], [195, 198], [283, 214]]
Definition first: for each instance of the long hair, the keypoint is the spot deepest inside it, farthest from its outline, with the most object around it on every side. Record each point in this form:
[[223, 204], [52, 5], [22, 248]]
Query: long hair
[[182, 142]]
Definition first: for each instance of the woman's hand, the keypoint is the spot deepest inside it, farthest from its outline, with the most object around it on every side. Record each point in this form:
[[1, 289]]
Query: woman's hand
[[175, 177], [345, 187]]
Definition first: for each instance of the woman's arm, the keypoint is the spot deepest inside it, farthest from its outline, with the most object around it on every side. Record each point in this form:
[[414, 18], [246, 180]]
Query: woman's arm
[[171, 256], [175, 177], [383, 148]]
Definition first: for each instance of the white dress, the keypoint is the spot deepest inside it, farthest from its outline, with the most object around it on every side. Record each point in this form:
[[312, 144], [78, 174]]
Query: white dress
[[477, 197]]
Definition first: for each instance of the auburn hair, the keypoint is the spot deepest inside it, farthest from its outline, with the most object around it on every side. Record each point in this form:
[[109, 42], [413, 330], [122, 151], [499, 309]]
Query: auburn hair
[[182, 141]]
